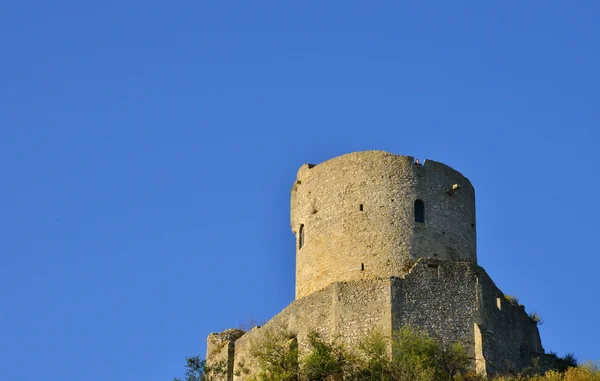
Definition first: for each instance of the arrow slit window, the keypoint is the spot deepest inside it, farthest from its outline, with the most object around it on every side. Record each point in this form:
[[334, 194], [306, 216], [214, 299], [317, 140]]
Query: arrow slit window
[[419, 211], [301, 237]]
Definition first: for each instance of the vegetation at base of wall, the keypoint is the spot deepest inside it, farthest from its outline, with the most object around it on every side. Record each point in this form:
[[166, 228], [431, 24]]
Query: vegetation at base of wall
[[275, 355], [196, 369], [325, 361], [561, 364], [586, 372], [416, 357]]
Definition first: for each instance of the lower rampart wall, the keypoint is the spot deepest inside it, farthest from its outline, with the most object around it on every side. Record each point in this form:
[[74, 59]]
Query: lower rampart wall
[[459, 302], [510, 338], [344, 312], [452, 301]]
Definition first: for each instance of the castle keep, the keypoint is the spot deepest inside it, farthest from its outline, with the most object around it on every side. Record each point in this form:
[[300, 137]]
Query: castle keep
[[383, 241]]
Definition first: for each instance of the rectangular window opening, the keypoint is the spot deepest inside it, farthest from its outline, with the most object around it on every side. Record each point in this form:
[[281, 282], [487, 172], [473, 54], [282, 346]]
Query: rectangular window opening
[[361, 207], [434, 270], [362, 267]]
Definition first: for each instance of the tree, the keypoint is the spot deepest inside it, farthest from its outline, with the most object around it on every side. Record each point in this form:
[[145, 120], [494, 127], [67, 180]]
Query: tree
[[326, 361], [197, 370], [275, 354]]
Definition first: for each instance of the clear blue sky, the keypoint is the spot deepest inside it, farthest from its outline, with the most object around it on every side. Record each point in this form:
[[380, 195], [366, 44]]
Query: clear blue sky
[[147, 151]]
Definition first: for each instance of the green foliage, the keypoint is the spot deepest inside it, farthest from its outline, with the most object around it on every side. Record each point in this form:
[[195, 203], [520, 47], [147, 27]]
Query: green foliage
[[587, 372], [561, 364], [373, 362], [416, 357], [326, 361], [197, 370], [413, 355], [410, 355], [569, 360], [536, 318], [425, 358], [452, 360], [276, 356], [512, 299]]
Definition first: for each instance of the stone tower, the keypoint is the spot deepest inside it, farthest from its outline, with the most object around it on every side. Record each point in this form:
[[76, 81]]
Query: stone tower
[[383, 241], [372, 214]]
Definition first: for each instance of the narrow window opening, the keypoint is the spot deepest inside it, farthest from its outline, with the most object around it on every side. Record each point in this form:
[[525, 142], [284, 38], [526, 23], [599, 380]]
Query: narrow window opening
[[361, 207], [419, 211], [362, 267], [499, 303], [434, 270], [301, 237], [472, 225]]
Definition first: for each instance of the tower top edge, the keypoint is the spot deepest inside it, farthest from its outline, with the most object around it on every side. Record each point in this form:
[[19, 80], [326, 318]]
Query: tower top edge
[[372, 155]]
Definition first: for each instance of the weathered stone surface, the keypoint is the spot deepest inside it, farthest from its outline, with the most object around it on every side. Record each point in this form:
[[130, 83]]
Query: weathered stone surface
[[340, 239], [367, 264]]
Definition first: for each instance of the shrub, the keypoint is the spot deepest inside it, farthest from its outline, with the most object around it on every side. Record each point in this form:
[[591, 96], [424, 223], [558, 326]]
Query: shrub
[[373, 361], [276, 355], [326, 361], [417, 356], [413, 355], [536, 318], [410, 355], [197, 370], [512, 299], [588, 372], [561, 364]]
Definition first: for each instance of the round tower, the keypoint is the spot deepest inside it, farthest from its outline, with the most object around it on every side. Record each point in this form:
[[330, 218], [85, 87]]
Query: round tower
[[372, 214]]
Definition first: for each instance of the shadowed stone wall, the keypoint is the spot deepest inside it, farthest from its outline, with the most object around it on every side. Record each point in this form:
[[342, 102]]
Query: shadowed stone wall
[[510, 338]]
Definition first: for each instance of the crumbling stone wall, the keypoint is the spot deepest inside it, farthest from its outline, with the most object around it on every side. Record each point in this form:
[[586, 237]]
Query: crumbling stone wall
[[220, 351], [344, 312], [454, 302], [459, 302], [510, 338], [367, 264], [357, 213]]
